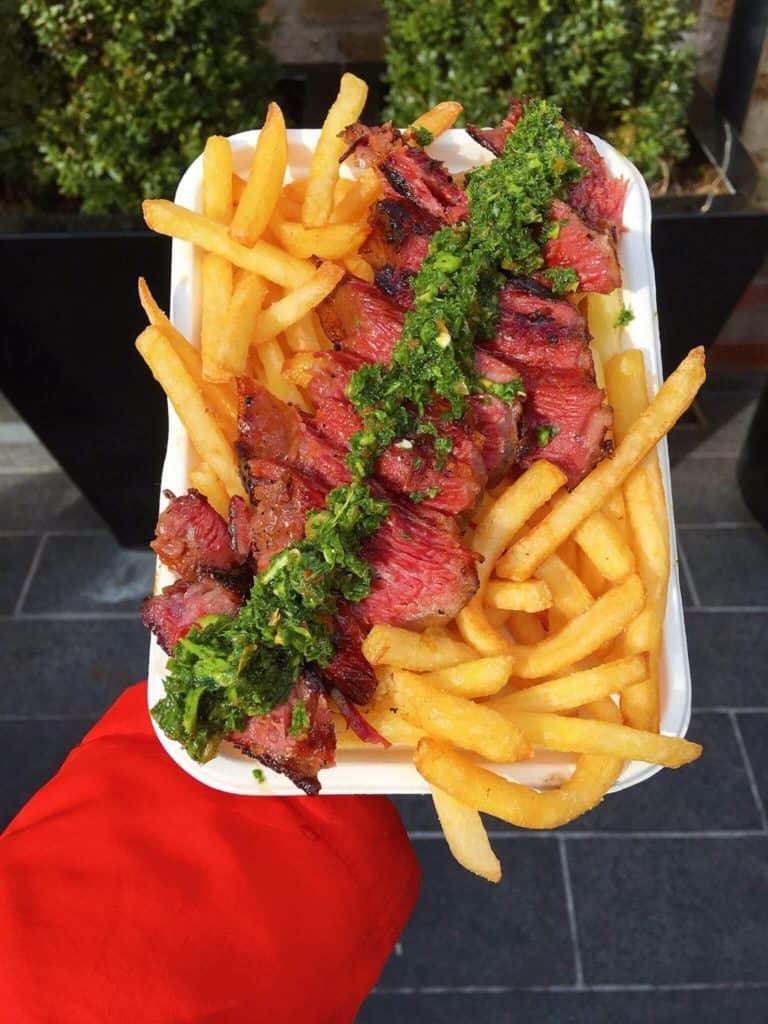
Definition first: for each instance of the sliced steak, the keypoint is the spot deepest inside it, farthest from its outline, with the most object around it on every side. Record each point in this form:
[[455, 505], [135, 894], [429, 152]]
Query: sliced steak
[[421, 573], [192, 538], [407, 171], [498, 423], [597, 196], [348, 671], [396, 247], [267, 427], [588, 251], [298, 753], [281, 496], [171, 614], [538, 331], [359, 319]]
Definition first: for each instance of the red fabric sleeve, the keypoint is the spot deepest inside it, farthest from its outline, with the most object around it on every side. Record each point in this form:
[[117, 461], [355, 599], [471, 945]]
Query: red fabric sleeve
[[129, 892]]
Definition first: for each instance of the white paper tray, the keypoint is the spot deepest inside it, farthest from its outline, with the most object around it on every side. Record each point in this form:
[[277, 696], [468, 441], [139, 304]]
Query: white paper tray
[[391, 771]]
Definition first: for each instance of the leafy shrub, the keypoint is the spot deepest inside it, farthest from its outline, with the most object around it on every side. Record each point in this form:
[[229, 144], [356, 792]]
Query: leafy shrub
[[619, 67], [27, 82], [144, 84]]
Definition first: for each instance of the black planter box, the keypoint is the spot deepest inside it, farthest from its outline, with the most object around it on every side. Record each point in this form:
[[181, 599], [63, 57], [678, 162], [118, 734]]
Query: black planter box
[[69, 312]]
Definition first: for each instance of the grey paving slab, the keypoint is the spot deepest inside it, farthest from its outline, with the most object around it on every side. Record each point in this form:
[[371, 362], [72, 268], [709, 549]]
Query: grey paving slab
[[44, 501], [729, 567], [72, 667], [30, 754], [738, 1006], [754, 730], [671, 911], [16, 555], [728, 653], [712, 793], [685, 589], [722, 379], [89, 573], [705, 491], [8, 413], [465, 931], [717, 427], [417, 813]]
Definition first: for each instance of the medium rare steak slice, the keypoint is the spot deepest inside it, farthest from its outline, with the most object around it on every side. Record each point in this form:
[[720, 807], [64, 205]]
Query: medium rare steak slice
[[538, 331], [498, 423], [296, 738], [267, 427], [566, 420], [421, 573], [597, 197], [396, 247], [281, 497], [192, 538], [587, 251], [359, 319], [348, 670], [407, 171], [171, 614]]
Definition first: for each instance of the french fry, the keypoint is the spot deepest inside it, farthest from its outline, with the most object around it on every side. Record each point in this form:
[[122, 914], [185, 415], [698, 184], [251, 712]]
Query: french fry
[[217, 179], [216, 271], [386, 721], [531, 596], [481, 678], [526, 628], [418, 652], [296, 189], [459, 775], [203, 479], [569, 595], [647, 514], [271, 358], [576, 689], [494, 532], [455, 719], [354, 206], [439, 119], [577, 735], [190, 405], [331, 242], [602, 312], [583, 635], [265, 179], [360, 268], [294, 306], [601, 539], [216, 288], [261, 258], [238, 187], [237, 332], [324, 168], [674, 397], [466, 836], [221, 400]]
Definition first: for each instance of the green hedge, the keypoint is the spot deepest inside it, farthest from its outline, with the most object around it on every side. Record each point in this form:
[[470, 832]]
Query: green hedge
[[143, 84], [618, 67]]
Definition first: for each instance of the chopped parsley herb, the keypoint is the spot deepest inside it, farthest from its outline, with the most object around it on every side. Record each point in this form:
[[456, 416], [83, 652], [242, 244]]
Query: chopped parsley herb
[[545, 433], [299, 718], [507, 392], [562, 279], [418, 496], [552, 229], [422, 137], [418, 464], [259, 775], [456, 289], [227, 669], [625, 317]]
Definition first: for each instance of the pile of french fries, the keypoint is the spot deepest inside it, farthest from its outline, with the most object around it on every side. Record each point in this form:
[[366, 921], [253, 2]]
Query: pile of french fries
[[560, 647]]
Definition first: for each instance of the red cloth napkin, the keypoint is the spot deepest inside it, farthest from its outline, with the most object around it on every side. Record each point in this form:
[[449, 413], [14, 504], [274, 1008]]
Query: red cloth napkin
[[131, 893]]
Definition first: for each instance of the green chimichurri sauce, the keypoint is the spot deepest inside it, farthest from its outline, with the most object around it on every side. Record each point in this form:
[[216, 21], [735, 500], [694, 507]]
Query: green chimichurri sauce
[[228, 669]]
